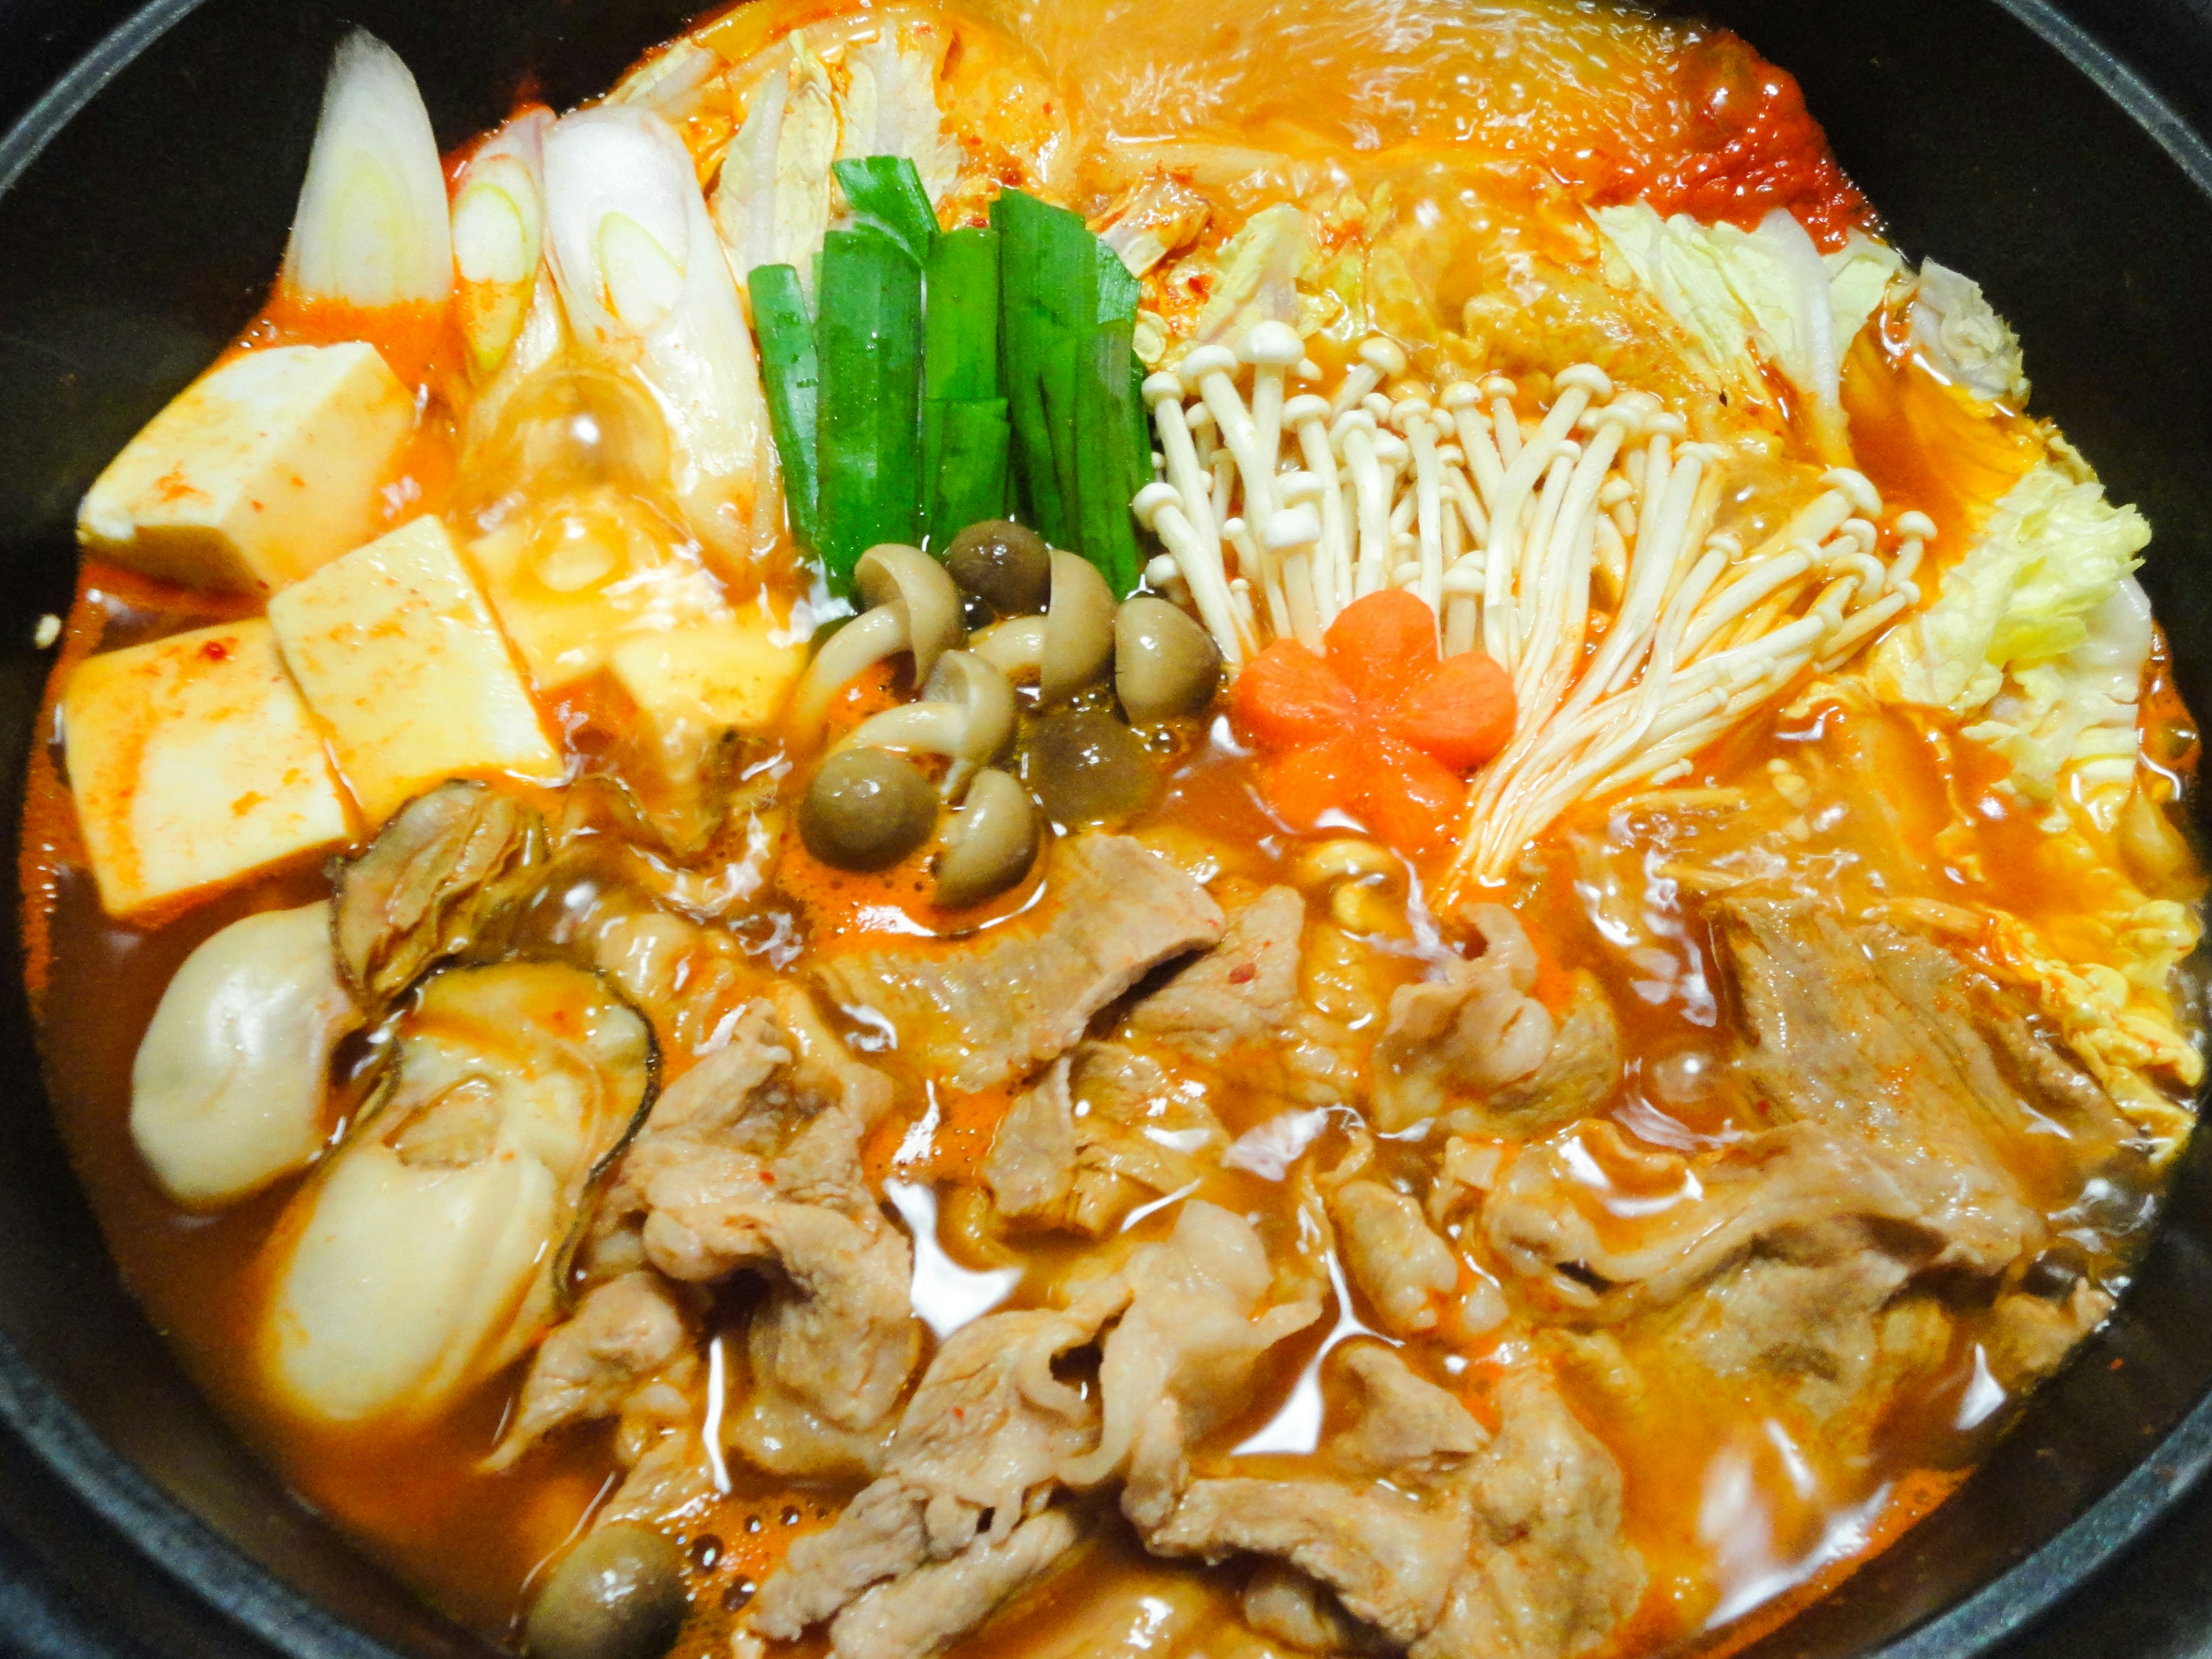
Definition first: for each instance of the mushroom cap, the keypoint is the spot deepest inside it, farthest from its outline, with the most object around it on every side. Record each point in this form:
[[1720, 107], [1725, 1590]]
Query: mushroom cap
[[1352, 420], [1204, 360], [1306, 406], [892, 571], [1271, 345], [1162, 386], [1152, 498], [1164, 664], [1293, 527], [990, 843], [1378, 352], [1461, 394], [1078, 628], [1588, 377]]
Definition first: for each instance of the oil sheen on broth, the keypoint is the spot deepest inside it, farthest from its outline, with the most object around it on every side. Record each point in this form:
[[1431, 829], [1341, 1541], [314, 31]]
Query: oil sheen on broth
[[1527, 1055]]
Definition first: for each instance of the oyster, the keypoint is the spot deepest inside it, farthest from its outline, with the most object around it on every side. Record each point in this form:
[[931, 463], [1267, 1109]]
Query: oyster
[[433, 1247]]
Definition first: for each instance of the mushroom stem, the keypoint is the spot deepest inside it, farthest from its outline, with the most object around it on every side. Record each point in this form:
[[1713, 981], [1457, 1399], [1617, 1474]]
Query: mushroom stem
[[1254, 563], [1273, 349], [1354, 438], [1160, 508], [858, 646], [1292, 535], [1212, 370], [1411, 418], [1308, 416]]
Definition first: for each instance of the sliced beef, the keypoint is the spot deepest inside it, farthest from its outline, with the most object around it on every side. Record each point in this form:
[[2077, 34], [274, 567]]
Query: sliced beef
[[987, 1010], [1449, 1543], [1476, 1047], [750, 1161], [1244, 990], [1552, 1223], [1184, 1355], [1404, 1269]]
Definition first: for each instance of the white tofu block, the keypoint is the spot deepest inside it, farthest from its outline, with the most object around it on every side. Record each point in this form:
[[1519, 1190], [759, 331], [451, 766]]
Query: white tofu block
[[255, 474], [397, 653], [694, 684], [567, 582], [195, 763]]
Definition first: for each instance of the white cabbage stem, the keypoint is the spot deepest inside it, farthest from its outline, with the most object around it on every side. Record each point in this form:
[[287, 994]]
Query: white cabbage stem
[[373, 229]]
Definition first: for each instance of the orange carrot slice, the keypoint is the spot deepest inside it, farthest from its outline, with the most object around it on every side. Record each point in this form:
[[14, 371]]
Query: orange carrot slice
[[1286, 697], [1408, 800], [1461, 715], [1383, 645]]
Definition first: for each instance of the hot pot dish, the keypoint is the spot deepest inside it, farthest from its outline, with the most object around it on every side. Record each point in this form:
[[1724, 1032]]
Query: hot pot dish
[[1070, 830]]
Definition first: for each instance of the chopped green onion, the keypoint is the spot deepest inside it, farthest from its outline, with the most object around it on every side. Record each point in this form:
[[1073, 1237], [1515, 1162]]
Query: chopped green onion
[[965, 455], [789, 365], [868, 339], [885, 194], [1047, 297], [960, 327], [1104, 462]]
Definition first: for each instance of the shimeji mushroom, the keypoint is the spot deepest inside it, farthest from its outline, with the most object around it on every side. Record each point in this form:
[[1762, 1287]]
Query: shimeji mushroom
[[912, 606], [989, 844], [372, 229], [1069, 646], [1164, 664], [965, 713]]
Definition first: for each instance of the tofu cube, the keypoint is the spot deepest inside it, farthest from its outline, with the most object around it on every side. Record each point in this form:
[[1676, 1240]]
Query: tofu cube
[[194, 764], [255, 474], [570, 580], [397, 653], [692, 685]]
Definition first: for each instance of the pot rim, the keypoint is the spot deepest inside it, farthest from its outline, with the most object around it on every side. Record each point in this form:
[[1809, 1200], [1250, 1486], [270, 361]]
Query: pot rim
[[167, 1532]]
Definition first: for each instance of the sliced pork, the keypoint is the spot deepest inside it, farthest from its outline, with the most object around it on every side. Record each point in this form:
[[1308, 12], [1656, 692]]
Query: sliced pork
[[984, 1011]]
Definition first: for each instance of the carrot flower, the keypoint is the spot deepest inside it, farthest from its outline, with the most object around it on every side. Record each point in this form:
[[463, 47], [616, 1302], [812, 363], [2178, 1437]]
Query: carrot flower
[[1377, 727]]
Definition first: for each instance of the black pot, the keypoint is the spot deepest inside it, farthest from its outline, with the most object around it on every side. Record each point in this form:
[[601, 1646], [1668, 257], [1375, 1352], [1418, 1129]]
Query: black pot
[[144, 199]]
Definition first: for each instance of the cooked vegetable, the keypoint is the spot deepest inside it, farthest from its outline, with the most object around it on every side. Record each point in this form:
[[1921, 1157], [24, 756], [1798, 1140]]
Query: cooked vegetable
[[1070, 646], [1108, 467], [1005, 564], [989, 844], [499, 228], [432, 884], [794, 373], [372, 229], [1381, 729], [1087, 768], [2053, 551], [961, 327], [868, 437], [966, 453], [1046, 288], [618, 1594], [866, 810], [1749, 298], [227, 1087], [885, 194], [912, 606], [433, 1247], [1164, 664], [647, 291], [965, 713]]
